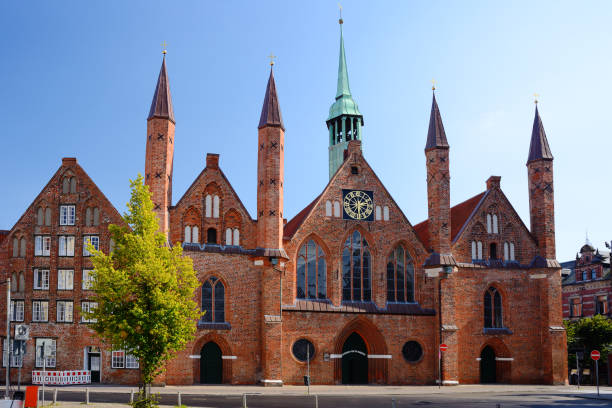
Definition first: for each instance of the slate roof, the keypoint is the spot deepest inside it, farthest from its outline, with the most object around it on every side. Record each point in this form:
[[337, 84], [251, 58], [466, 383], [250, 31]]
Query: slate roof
[[460, 215], [161, 106], [538, 148], [436, 137], [270, 112]]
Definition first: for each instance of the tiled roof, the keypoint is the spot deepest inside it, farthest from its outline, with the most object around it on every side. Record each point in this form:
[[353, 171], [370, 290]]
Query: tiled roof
[[459, 214], [357, 307], [292, 226]]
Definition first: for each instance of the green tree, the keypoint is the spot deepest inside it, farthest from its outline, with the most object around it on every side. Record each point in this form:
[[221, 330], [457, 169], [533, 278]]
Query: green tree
[[144, 289], [588, 334]]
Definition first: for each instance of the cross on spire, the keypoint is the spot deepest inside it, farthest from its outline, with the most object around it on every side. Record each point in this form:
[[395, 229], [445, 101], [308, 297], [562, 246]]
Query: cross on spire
[[536, 96], [340, 8], [433, 84], [272, 58], [164, 45]]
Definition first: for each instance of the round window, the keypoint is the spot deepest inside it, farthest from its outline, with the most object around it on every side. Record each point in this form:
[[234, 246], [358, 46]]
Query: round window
[[412, 351], [303, 350]]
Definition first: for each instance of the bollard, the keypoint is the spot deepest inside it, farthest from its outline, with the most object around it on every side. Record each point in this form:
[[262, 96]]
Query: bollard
[[179, 399], [132, 396], [498, 406], [392, 402], [55, 396], [244, 405], [316, 401], [86, 395]]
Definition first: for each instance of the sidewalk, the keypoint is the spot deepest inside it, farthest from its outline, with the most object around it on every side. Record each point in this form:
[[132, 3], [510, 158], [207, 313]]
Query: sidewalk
[[584, 391]]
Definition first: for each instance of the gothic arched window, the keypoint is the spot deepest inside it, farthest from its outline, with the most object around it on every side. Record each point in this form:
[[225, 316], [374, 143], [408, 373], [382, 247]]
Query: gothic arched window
[[492, 309], [356, 265], [400, 276], [311, 272], [213, 301]]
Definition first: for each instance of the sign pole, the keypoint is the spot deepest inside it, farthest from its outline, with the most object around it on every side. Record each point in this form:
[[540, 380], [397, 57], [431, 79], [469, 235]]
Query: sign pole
[[439, 369], [597, 375], [308, 367], [8, 337], [578, 369]]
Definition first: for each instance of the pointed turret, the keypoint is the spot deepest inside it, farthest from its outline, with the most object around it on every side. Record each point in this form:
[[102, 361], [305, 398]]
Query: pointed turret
[[161, 106], [538, 149], [438, 190], [345, 119], [160, 148], [436, 137], [541, 192], [270, 112]]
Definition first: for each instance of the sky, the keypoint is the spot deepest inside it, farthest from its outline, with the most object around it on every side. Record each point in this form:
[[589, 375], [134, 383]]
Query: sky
[[78, 78]]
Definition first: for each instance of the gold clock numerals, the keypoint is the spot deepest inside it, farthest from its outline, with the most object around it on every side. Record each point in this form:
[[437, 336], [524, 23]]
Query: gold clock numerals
[[358, 205]]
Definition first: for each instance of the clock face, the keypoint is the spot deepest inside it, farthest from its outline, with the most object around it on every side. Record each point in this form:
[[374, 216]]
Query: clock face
[[357, 205]]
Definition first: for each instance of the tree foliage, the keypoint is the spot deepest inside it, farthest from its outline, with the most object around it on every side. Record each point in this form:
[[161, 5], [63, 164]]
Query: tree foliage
[[588, 334], [144, 289]]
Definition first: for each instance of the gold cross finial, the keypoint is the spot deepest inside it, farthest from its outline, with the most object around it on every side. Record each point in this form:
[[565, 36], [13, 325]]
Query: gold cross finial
[[164, 45], [536, 96], [340, 7], [272, 57], [433, 84]]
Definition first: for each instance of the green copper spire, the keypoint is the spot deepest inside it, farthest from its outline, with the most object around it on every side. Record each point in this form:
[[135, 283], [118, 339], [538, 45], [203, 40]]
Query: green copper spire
[[344, 121]]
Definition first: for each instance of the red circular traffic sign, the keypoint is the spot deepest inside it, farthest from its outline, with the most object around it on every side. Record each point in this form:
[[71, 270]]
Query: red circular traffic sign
[[595, 355], [443, 347]]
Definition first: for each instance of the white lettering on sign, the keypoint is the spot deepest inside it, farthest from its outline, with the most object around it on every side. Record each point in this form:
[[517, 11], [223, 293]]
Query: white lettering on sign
[[335, 356]]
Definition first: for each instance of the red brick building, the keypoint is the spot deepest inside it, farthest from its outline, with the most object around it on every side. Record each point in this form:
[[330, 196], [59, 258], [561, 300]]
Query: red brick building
[[348, 284]]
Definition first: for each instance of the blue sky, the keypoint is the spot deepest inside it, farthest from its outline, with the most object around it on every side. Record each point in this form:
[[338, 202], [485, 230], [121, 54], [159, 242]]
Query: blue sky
[[78, 78]]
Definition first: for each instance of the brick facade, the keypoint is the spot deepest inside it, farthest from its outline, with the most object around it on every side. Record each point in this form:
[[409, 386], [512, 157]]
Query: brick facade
[[258, 268]]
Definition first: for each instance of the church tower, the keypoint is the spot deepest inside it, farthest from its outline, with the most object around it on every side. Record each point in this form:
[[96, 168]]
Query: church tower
[[438, 189], [160, 148], [541, 191], [270, 170], [345, 121]]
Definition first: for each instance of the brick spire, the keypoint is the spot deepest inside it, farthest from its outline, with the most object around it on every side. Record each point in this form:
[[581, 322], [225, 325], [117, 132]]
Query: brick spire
[[270, 112], [161, 106], [436, 137], [538, 149]]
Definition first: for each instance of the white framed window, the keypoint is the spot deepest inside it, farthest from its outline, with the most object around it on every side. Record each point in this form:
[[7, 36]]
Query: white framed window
[[87, 307], [386, 213], [41, 279], [479, 245], [42, 245], [215, 206], [17, 310], [474, 253], [67, 214], [187, 234], [48, 346], [40, 311], [195, 234], [118, 359], [328, 208], [66, 245], [95, 241], [489, 223], [87, 278], [337, 209], [236, 236], [65, 279], [131, 361], [228, 236], [208, 206], [378, 213], [16, 361], [495, 229], [65, 310]]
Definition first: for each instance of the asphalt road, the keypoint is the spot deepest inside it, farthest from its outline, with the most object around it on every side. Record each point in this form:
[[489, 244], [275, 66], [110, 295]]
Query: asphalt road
[[464, 400]]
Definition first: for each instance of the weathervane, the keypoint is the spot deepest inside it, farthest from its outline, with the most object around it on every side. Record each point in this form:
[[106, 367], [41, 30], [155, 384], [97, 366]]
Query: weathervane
[[164, 45], [272, 57], [433, 84], [340, 7], [536, 96]]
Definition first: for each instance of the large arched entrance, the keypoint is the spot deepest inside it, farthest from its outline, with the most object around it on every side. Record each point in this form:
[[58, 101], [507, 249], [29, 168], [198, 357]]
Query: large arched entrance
[[488, 366], [354, 360], [211, 364]]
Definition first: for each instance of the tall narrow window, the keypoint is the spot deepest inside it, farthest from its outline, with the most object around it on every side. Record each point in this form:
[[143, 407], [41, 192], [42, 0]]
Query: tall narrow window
[[72, 185], [66, 245], [489, 222], [576, 308], [356, 264], [96, 216], [236, 236], [378, 213], [213, 301], [50, 346], [385, 213], [187, 234], [208, 206], [211, 236], [14, 287], [95, 242], [400, 276], [506, 251], [512, 251], [311, 272], [48, 217], [40, 311], [479, 245], [64, 310], [42, 245], [39, 216], [337, 209], [195, 234], [66, 185], [17, 310], [228, 236], [88, 217], [493, 250], [328, 208], [215, 206], [41, 279], [495, 230], [21, 282], [601, 305], [22, 247], [492, 309], [67, 214], [15, 247]]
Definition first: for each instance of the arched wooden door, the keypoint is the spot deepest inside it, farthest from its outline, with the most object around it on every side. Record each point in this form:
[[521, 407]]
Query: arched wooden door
[[488, 366], [354, 360], [211, 364]]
